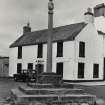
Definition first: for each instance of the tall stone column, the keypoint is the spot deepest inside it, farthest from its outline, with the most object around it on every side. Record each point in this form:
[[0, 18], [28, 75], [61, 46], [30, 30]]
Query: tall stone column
[[50, 29]]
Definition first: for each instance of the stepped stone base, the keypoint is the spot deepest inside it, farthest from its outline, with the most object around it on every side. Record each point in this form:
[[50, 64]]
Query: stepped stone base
[[45, 91], [20, 97], [50, 93], [24, 95], [51, 78]]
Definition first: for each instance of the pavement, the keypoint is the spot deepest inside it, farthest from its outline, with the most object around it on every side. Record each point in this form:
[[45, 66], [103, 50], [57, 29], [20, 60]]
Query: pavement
[[101, 83]]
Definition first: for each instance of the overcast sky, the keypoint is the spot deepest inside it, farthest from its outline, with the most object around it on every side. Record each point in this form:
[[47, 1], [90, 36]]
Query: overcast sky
[[14, 14]]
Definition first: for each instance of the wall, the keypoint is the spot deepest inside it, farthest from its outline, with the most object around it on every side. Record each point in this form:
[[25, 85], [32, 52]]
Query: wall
[[29, 55], [93, 52], [13, 61], [100, 25], [4, 66]]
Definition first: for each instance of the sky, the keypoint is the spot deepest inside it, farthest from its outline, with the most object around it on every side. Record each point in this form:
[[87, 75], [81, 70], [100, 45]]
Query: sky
[[14, 14]]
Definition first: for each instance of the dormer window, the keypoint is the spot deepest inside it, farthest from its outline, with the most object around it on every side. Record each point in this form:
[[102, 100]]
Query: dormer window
[[40, 51], [81, 49], [19, 52], [59, 49]]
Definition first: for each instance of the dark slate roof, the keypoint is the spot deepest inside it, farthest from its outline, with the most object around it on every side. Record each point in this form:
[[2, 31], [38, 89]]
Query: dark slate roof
[[100, 6], [4, 57], [68, 32], [100, 32]]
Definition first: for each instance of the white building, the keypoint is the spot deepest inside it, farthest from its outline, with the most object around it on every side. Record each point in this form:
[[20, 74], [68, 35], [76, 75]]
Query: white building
[[78, 49]]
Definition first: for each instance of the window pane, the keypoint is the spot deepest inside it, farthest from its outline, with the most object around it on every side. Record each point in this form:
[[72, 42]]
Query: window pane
[[19, 52], [19, 68], [30, 66], [82, 49], [59, 68], [80, 70], [96, 71], [59, 49], [40, 51]]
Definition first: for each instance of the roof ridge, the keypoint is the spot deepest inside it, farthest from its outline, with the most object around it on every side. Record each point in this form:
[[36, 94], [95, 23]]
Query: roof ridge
[[67, 32], [55, 27]]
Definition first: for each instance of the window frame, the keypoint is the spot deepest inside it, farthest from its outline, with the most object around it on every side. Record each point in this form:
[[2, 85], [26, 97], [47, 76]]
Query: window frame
[[19, 64], [95, 70], [81, 76], [40, 50], [81, 49], [31, 65], [19, 52], [58, 64], [59, 49]]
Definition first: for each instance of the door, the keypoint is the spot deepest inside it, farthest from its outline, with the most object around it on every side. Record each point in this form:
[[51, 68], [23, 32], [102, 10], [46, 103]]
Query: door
[[39, 68], [19, 68], [30, 66], [80, 70], [59, 68]]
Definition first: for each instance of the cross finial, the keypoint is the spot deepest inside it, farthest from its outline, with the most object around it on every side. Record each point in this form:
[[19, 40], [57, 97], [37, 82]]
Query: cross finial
[[50, 5]]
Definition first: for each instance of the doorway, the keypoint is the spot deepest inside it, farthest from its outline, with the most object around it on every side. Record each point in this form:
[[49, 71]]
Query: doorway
[[39, 68], [59, 68]]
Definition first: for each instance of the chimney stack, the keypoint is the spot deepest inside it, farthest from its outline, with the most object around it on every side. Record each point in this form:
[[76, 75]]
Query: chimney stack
[[89, 17], [99, 10], [27, 28]]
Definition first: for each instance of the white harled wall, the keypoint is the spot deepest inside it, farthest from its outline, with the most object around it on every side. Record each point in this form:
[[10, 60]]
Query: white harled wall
[[93, 51], [29, 55]]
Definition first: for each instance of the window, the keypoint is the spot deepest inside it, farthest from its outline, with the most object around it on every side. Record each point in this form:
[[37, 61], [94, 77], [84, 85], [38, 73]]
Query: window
[[19, 68], [104, 69], [59, 49], [59, 68], [30, 66], [95, 70], [40, 51], [80, 70], [19, 52], [82, 49]]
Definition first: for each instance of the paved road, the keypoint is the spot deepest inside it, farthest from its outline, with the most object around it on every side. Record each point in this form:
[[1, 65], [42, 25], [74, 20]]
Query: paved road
[[5, 86]]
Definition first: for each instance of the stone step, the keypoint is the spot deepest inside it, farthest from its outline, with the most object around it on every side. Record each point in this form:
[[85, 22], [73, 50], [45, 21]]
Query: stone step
[[38, 85], [29, 90], [49, 85], [20, 97]]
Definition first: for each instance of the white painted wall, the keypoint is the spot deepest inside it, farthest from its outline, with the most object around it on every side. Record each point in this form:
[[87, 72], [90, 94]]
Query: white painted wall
[[100, 23], [29, 55], [93, 52], [12, 61]]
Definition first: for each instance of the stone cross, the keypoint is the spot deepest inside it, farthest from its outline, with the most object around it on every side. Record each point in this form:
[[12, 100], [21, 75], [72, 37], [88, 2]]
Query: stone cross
[[50, 34]]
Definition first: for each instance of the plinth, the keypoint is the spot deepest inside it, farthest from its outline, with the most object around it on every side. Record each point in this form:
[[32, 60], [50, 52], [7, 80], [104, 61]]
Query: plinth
[[50, 90]]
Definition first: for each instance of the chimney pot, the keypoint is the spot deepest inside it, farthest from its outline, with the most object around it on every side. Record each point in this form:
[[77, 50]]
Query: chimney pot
[[89, 17], [27, 28]]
